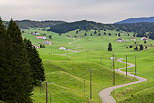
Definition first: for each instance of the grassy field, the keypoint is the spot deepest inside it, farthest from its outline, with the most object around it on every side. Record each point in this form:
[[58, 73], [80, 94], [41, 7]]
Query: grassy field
[[68, 71]]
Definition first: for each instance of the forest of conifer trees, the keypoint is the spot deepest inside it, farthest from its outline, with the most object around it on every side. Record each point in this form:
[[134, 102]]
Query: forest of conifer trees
[[20, 65]]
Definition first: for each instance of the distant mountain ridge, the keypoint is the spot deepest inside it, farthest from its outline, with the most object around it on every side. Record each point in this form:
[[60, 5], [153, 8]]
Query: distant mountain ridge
[[140, 29], [136, 20], [25, 24]]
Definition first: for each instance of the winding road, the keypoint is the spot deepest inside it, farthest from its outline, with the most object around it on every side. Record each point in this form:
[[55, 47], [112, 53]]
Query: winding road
[[105, 94]]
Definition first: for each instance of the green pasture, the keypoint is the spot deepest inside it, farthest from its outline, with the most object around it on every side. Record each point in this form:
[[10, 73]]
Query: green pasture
[[68, 71]]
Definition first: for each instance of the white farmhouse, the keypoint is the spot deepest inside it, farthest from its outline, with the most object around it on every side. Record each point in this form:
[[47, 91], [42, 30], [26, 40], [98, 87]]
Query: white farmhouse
[[37, 34], [119, 40], [144, 38], [47, 42], [62, 48], [41, 37]]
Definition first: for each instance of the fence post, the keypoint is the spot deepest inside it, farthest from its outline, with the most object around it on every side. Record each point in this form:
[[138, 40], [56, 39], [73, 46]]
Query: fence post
[[46, 92]]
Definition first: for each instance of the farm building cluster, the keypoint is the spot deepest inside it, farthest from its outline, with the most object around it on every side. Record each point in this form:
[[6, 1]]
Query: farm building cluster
[[43, 37]]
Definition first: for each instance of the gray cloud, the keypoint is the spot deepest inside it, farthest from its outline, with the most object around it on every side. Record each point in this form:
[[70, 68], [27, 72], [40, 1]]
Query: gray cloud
[[106, 11]]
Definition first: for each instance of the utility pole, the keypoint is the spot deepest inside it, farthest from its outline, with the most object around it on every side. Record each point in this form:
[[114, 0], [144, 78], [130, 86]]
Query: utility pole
[[113, 65], [41, 87], [90, 84], [100, 60], [126, 65], [135, 65], [84, 86], [51, 50], [46, 92], [50, 98]]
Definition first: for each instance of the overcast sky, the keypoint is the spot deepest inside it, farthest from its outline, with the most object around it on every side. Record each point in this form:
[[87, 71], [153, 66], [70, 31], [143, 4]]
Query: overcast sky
[[105, 11]]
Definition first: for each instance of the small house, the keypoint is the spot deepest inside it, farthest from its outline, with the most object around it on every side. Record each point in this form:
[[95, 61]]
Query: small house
[[37, 34], [41, 37], [119, 40], [144, 38], [47, 42], [62, 48]]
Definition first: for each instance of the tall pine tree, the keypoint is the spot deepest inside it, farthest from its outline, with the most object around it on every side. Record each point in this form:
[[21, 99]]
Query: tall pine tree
[[19, 81], [109, 47], [35, 62], [3, 60], [141, 47]]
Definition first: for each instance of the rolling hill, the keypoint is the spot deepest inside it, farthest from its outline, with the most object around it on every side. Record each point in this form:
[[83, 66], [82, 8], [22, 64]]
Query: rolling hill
[[82, 25], [26, 24], [136, 20], [67, 71]]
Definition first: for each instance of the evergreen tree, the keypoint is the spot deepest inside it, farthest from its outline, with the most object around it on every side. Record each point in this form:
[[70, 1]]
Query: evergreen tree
[[141, 47], [41, 46], [19, 81], [85, 34], [136, 48], [134, 42], [109, 47], [95, 32], [109, 34], [119, 34], [99, 34], [35, 62], [50, 36], [3, 61], [104, 33], [130, 46], [77, 31]]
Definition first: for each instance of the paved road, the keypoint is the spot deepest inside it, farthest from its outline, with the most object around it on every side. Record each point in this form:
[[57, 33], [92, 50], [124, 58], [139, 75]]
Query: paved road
[[106, 93]]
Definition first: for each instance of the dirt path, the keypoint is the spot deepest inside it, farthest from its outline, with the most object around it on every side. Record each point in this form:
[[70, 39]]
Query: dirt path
[[105, 94]]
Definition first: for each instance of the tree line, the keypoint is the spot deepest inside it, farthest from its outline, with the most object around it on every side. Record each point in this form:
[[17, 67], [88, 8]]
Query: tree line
[[26, 24], [141, 29], [82, 25], [20, 65]]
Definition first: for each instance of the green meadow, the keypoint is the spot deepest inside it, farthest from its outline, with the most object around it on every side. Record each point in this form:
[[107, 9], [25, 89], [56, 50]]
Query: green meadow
[[68, 71]]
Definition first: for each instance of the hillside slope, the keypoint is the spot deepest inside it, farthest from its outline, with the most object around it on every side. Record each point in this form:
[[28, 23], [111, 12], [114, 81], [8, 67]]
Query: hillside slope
[[82, 25], [136, 20], [26, 24]]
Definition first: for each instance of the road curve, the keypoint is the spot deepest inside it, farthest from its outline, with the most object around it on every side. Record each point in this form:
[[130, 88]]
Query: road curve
[[105, 94]]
